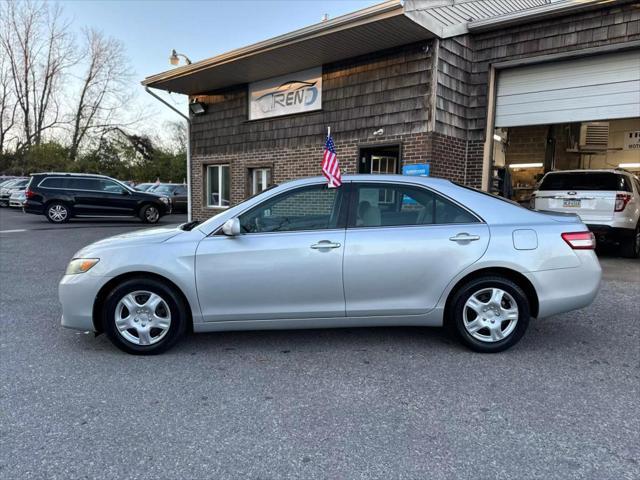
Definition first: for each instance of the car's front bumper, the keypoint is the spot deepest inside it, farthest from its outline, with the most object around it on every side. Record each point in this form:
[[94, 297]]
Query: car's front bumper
[[77, 294]]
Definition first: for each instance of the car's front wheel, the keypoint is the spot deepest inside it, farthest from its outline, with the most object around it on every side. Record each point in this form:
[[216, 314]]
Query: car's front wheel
[[150, 214], [489, 314], [58, 212], [144, 316]]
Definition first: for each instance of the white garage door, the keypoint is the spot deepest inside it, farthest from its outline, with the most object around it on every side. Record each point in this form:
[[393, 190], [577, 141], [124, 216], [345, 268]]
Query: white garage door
[[600, 87]]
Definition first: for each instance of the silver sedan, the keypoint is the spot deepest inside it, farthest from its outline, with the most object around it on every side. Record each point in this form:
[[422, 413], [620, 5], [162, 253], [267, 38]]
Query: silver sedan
[[378, 251]]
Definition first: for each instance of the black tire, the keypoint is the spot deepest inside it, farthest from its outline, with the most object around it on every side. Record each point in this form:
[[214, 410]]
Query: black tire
[[149, 213], [631, 248], [57, 212], [176, 306], [456, 322]]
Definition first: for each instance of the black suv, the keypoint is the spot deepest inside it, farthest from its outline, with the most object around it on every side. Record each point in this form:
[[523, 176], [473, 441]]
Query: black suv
[[60, 196]]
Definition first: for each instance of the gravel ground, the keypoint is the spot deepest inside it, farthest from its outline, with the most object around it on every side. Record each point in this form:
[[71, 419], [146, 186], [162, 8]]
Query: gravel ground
[[341, 404]]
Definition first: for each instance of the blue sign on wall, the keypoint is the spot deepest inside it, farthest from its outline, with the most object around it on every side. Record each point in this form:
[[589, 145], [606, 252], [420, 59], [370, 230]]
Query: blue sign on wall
[[416, 170]]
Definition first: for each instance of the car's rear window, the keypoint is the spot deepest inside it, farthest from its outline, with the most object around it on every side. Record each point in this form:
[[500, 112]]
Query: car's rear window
[[600, 181]]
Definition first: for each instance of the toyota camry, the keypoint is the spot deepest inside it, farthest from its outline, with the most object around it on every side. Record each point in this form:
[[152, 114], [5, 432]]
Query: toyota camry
[[384, 250]]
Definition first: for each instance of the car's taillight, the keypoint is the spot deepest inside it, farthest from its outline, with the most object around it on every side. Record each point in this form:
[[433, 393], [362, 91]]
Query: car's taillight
[[29, 194], [621, 201], [580, 240]]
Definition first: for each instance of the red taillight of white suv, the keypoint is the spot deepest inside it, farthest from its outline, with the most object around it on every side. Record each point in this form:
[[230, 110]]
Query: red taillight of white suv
[[621, 201], [580, 240]]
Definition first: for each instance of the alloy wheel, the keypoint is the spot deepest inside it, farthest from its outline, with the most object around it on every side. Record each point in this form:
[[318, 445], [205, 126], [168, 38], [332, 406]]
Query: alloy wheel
[[490, 315], [151, 214], [58, 213], [142, 317]]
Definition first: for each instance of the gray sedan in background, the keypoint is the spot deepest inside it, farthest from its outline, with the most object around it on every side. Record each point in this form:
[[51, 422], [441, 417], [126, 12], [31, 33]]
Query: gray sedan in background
[[377, 251]]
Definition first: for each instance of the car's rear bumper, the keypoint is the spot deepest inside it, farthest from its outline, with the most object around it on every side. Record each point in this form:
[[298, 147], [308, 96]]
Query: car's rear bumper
[[31, 206], [77, 294], [607, 234], [565, 289]]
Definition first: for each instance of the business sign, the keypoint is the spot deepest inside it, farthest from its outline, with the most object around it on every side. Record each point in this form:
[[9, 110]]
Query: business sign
[[416, 170], [285, 95], [632, 140]]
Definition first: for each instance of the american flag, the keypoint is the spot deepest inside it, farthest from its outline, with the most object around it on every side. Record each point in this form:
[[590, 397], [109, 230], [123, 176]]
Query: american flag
[[330, 166]]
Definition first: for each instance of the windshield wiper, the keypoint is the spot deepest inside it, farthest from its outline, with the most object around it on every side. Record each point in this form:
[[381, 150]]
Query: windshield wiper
[[187, 227]]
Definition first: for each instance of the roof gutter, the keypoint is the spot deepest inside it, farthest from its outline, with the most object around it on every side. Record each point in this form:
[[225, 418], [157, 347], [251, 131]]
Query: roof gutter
[[386, 9], [560, 7]]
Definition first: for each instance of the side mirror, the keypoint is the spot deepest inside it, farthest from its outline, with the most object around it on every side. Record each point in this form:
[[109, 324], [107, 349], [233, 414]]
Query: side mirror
[[231, 227], [125, 192]]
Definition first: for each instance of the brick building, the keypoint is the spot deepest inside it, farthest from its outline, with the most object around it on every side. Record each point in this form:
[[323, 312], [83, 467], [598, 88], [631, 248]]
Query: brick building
[[463, 89]]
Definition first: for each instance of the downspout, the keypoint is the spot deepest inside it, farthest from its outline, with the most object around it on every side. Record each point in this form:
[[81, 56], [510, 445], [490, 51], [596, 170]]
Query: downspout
[[160, 99]]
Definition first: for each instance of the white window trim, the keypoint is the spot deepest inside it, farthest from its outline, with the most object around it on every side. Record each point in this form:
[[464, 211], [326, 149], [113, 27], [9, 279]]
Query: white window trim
[[208, 188], [264, 177]]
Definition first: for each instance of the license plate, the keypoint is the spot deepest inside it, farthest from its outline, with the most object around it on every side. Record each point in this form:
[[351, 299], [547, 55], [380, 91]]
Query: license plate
[[571, 203]]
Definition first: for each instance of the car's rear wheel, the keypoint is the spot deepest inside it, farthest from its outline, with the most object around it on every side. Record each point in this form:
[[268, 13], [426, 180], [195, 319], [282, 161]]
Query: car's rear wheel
[[631, 247], [149, 214], [57, 212], [489, 314], [144, 316]]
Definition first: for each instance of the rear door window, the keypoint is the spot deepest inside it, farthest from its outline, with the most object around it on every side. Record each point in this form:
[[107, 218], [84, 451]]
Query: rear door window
[[593, 181], [386, 205]]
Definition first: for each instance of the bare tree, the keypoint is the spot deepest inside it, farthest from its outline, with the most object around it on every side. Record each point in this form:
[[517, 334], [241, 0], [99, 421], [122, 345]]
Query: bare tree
[[8, 105], [104, 94], [39, 49]]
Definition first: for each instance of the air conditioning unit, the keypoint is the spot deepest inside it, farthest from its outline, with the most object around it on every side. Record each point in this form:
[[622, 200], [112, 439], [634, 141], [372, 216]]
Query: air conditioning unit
[[594, 136]]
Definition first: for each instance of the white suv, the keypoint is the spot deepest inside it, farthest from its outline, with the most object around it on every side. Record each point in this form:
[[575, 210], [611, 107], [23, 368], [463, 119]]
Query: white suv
[[607, 201]]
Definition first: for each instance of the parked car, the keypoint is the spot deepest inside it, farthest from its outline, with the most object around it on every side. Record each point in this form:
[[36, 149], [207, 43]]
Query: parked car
[[61, 196], [177, 192], [16, 200], [9, 188], [379, 250], [143, 187], [607, 201]]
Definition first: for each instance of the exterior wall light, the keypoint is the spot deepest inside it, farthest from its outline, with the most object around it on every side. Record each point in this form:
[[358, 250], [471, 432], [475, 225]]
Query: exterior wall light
[[197, 108], [174, 59]]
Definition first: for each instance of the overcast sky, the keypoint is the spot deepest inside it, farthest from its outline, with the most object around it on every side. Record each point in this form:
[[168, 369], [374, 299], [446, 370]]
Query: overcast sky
[[150, 29]]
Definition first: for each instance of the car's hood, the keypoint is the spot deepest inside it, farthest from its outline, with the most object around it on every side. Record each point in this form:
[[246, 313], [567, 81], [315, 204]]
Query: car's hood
[[138, 237]]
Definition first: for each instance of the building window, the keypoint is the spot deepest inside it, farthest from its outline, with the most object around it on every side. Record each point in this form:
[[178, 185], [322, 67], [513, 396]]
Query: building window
[[218, 186], [260, 179]]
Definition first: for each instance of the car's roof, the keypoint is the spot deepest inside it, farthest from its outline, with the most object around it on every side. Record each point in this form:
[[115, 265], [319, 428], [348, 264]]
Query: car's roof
[[375, 178], [96, 175], [595, 170]]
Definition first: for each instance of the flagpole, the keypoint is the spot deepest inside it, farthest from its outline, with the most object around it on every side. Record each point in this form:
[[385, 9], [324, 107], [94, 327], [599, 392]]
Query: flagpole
[[328, 132]]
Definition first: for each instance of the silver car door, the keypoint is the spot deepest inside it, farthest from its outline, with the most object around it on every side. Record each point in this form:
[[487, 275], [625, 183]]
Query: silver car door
[[286, 263], [404, 244]]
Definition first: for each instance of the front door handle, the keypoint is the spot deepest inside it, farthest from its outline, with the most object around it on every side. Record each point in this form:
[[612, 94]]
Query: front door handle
[[325, 244], [464, 237]]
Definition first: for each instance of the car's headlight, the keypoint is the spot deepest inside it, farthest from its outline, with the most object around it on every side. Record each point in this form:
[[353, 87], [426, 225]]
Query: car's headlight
[[80, 265], [164, 200]]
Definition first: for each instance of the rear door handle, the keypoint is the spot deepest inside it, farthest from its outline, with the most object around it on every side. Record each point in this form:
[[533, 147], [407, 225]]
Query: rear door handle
[[464, 237], [325, 244]]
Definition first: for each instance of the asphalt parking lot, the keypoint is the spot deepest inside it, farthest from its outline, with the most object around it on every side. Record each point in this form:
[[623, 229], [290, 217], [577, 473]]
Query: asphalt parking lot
[[340, 404]]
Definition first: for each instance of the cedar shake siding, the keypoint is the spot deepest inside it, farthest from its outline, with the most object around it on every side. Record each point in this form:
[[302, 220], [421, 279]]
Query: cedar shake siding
[[388, 90]]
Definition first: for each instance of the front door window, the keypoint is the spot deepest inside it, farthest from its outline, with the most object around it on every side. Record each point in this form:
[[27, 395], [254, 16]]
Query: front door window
[[307, 208]]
